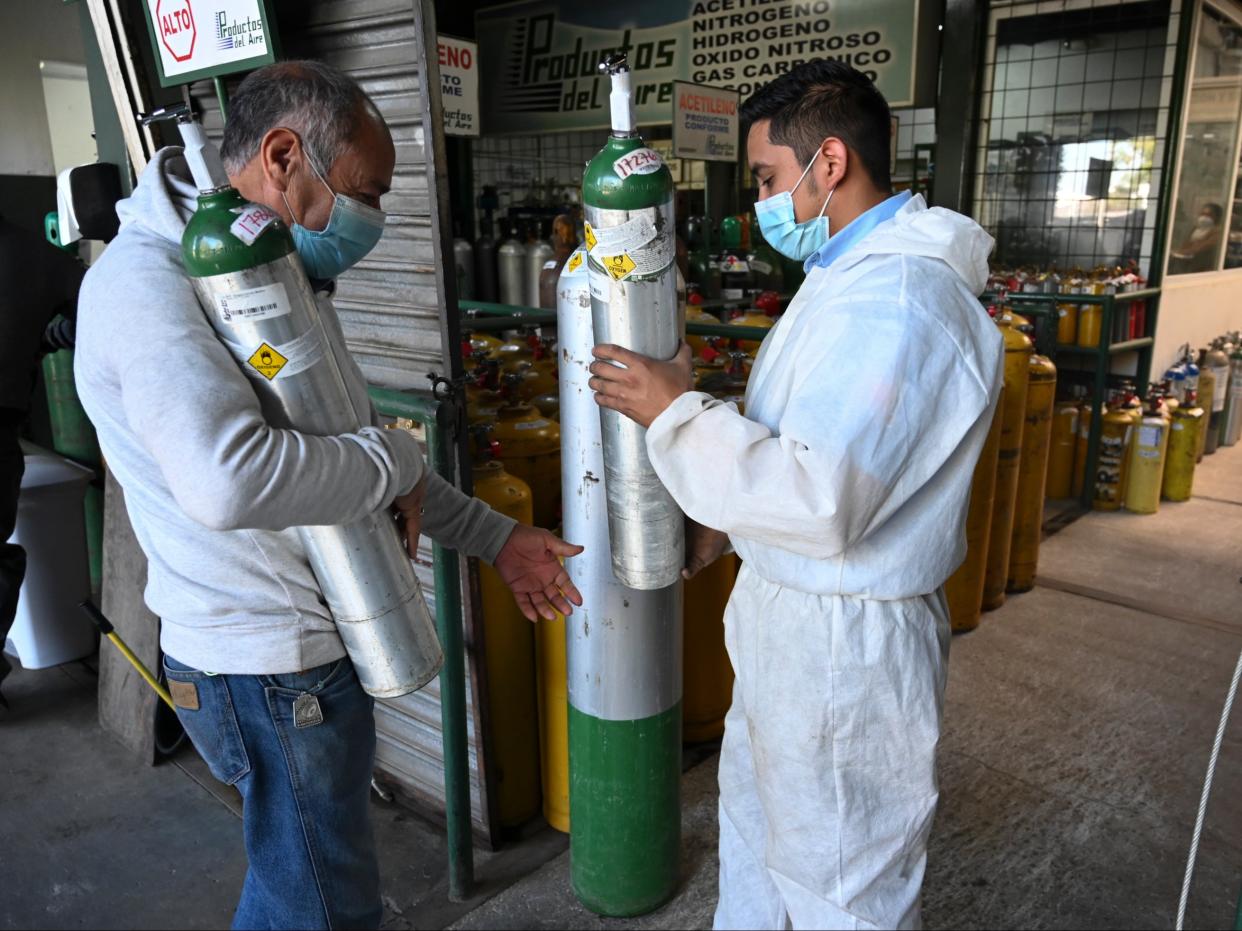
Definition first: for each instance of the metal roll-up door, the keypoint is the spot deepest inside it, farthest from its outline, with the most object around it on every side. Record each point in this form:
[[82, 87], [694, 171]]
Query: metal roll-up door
[[391, 310]]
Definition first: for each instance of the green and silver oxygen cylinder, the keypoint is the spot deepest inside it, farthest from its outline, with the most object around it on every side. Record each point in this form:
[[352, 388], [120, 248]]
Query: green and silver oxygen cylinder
[[623, 652], [254, 292], [631, 244]]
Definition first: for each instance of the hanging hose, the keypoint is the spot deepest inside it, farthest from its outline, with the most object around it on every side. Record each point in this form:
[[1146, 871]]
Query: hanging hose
[[1207, 791]]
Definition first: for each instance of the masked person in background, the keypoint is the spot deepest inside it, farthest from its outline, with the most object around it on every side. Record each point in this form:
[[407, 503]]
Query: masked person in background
[[214, 494], [845, 492]]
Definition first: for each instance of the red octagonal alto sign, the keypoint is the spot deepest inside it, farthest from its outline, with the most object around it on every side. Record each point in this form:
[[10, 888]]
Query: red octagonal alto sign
[[175, 21]]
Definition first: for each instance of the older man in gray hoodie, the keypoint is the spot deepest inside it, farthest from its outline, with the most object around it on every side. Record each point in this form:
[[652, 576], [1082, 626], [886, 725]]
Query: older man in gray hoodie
[[214, 493]]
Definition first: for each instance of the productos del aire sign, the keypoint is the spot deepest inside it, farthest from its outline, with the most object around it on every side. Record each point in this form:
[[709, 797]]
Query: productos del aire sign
[[540, 56], [195, 39]]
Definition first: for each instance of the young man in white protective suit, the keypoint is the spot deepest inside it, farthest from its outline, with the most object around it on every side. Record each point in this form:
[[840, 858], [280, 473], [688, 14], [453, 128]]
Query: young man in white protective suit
[[845, 494]]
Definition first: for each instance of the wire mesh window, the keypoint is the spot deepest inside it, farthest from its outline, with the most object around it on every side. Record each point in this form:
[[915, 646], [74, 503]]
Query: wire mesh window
[[1075, 115], [1207, 215], [546, 169]]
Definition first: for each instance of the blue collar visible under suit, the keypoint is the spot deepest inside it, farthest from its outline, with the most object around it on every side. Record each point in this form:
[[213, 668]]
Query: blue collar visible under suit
[[840, 243]]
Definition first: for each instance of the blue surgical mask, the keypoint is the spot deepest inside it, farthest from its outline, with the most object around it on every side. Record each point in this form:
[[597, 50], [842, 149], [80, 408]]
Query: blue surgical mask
[[352, 231], [780, 226]]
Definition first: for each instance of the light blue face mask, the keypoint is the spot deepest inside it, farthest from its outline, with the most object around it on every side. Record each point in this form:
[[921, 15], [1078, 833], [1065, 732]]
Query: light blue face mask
[[352, 231], [780, 227]]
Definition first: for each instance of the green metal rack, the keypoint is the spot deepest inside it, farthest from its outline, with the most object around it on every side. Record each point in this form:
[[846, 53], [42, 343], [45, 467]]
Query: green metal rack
[[439, 417], [483, 316], [1044, 308]]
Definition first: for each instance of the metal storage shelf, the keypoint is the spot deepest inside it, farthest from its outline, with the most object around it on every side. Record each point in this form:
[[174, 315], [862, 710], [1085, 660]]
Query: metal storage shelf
[[1045, 306]]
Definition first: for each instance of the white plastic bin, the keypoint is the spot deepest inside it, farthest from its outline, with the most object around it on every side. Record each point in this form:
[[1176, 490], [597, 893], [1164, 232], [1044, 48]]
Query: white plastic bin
[[50, 628]]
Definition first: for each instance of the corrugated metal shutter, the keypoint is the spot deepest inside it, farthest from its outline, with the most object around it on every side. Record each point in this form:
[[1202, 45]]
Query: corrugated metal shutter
[[390, 309]]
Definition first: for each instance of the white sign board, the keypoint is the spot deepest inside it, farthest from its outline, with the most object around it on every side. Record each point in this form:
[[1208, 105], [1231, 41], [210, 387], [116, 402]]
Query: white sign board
[[705, 122], [459, 85], [196, 39]]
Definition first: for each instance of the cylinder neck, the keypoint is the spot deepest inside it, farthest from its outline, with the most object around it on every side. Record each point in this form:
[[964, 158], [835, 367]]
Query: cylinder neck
[[203, 157], [621, 102]]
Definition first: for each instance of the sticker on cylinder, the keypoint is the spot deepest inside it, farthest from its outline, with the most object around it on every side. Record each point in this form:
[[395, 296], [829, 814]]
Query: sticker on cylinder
[[598, 285], [286, 359], [251, 221], [575, 261], [253, 304], [632, 234], [619, 267], [590, 237], [267, 361], [642, 161]]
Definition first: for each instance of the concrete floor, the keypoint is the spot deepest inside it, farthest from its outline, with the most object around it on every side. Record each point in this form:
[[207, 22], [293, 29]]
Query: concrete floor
[[1078, 722]]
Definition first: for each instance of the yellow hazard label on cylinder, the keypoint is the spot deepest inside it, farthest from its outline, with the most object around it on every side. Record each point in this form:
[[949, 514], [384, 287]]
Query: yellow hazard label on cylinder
[[618, 266], [574, 261], [267, 361], [589, 237]]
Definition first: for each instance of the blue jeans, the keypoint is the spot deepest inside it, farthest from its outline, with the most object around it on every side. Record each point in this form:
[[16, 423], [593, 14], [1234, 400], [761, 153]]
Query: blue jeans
[[305, 790]]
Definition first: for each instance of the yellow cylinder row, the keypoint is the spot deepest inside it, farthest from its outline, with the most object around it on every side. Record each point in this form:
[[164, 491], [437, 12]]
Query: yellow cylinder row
[[964, 589], [707, 674], [1179, 465], [509, 663], [1028, 515], [1061, 449], [1018, 350]]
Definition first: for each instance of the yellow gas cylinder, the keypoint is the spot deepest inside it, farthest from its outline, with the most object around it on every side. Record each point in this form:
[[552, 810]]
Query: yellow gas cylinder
[[710, 374], [1145, 471], [1018, 351], [1028, 511], [696, 314], [1110, 468], [511, 353], [1080, 448], [553, 690], [548, 404], [1179, 463], [482, 405], [509, 659], [707, 674], [484, 342], [1064, 438], [753, 318], [964, 589], [1207, 391], [1067, 316], [530, 447]]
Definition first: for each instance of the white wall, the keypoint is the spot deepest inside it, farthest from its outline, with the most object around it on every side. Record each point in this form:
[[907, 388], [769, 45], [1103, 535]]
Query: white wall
[[31, 30], [1195, 309], [69, 117]]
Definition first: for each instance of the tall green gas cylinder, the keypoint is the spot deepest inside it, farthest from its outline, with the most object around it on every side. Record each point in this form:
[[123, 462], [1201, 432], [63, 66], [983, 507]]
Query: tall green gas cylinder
[[624, 645]]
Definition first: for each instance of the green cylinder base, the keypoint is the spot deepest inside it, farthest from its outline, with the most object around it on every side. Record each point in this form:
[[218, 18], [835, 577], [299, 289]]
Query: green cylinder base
[[625, 808]]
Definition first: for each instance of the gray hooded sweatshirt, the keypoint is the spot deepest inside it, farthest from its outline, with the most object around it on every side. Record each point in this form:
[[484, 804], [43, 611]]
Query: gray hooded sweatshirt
[[213, 492]]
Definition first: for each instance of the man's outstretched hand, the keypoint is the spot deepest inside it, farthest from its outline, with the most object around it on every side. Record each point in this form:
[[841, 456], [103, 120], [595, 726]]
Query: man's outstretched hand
[[529, 563]]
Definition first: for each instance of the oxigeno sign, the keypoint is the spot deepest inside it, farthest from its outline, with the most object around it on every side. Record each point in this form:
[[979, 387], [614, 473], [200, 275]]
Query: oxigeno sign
[[541, 55]]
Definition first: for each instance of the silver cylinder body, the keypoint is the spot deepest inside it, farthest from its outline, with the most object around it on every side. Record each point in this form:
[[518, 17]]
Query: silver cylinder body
[[270, 321], [1233, 422], [537, 254], [624, 646], [638, 310], [511, 272], [463, 258]]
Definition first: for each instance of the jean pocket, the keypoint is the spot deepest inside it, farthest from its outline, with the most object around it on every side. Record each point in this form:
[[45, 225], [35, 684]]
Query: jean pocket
[[205, 709], [313, 681]]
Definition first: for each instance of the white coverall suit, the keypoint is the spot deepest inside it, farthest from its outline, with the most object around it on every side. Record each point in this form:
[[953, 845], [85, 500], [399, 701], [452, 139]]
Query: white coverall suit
[[845, 489]]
